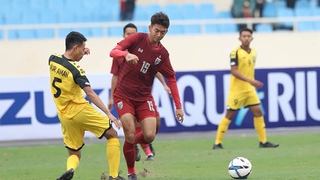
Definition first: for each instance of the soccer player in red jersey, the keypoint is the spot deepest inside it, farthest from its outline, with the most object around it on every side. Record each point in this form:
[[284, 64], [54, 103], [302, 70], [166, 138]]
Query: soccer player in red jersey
[[116, 64], [144, 57]]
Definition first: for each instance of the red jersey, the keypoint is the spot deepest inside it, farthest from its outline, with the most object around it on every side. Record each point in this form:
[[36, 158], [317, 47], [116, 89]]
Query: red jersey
[[135, 81], [116, 64]]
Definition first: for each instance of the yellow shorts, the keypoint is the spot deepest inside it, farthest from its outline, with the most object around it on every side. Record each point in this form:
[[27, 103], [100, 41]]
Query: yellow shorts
[[236, 101], [88, 119]]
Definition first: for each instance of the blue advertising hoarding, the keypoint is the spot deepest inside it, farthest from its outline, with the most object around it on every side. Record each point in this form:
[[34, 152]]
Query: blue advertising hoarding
[[289, 98]]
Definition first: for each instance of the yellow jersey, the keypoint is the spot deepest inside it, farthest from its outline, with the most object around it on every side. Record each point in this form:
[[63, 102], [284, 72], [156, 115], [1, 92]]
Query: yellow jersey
[[245, 62], [66, 82]]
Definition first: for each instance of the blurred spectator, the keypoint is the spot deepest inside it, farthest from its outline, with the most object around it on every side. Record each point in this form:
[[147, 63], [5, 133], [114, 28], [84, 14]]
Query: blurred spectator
[[246, 11], [291, 3], [243, 9], [259, 7], [238, 7], [127, 9]]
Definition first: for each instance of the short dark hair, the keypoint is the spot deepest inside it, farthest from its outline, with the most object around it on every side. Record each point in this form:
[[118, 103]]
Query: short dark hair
[[160, 18], [74, 38], [245, 29], [129, 25]]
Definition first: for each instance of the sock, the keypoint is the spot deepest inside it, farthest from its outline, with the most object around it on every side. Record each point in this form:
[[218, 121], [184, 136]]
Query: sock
[[129, 154], [72, 162], [113, 155], [146, 149], [140, 139], [138, 129], [260, 127], [222, 129]]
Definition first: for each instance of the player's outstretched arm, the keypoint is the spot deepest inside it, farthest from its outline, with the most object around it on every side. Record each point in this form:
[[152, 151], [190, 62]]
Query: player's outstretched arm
[[94, 98], [164, 84], [118, 52]]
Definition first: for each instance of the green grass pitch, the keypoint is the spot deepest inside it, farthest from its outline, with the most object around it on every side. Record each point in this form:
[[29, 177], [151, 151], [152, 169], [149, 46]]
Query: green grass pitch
[[297, 158]]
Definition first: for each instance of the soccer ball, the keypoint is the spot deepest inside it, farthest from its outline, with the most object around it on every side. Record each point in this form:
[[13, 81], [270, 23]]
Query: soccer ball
[[240, 168]]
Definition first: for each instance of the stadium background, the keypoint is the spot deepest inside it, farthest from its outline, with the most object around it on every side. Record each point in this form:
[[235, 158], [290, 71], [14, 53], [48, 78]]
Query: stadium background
[[199, 42]]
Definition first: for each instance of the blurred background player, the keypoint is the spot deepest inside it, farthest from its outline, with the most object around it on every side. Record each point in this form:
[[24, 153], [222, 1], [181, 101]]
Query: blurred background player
[[116, 64], [127, 9], [76, 115], [242, 90], [145, 56]]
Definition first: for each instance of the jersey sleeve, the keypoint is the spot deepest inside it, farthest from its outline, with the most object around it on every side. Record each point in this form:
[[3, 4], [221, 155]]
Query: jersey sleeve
[[234, 58], [80, 78], [82, 81]]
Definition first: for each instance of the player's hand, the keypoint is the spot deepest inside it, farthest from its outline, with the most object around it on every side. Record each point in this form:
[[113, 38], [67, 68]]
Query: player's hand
[[166, 88], [132, 59], [115, 121], [110, 104], [86, 51], [256, 83], [179, 115]]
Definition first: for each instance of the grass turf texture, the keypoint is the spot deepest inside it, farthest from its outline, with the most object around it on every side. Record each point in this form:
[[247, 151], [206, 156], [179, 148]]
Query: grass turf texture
[[297, 158]]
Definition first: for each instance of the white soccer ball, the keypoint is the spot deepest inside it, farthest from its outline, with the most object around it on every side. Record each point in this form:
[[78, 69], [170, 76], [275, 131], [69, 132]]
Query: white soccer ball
[[240, 168]]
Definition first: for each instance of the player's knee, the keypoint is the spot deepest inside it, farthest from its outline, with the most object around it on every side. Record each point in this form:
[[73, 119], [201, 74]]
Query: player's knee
[[73, 152], [130, 137], [257, 112], [229, 114], [149, 137], [111, 133]]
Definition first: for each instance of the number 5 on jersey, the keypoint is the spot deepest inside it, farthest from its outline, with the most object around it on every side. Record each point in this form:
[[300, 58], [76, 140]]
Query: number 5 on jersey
[[58, 80]]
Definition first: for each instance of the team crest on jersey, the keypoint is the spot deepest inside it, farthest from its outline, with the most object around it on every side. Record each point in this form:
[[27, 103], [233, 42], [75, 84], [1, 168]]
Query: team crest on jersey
[[254, 58], [120, 105], [157, 61]]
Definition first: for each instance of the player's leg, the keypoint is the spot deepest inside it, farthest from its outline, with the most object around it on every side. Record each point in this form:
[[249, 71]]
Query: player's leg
[[138, 129], [148, 148], [147, 135], [145, 147], [158, 126], [126, 112], [234, 102], [98, 124], [223, 127], [73, 139], [253, 103], [72, 164], [128, 125], [146, 116], [113, 154]]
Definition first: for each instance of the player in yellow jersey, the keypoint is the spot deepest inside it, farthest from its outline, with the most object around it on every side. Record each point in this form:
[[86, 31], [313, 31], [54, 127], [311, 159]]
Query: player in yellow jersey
[[242, 90], [67, 80]]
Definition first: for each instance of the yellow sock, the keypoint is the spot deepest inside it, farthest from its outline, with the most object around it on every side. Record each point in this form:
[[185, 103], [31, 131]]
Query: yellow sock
[[222, 129], [72, 162], [113, 155], [260, 127]]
